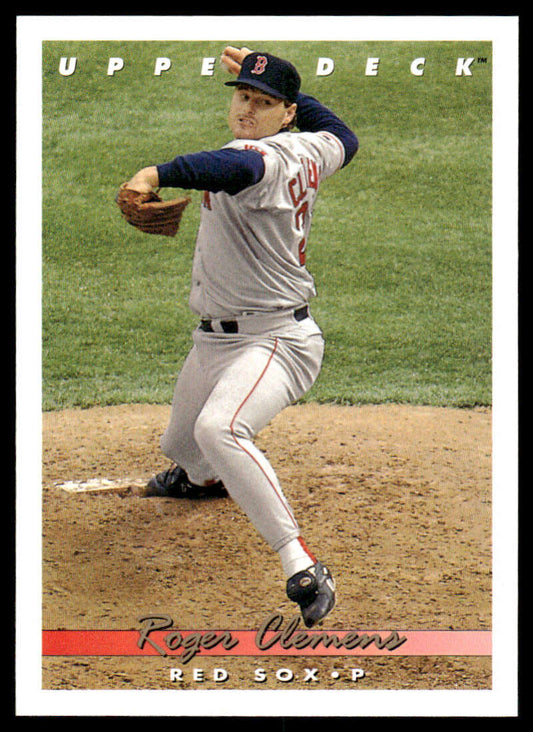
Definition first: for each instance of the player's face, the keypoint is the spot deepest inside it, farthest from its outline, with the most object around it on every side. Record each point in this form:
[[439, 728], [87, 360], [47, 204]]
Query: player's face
[[253, 114]]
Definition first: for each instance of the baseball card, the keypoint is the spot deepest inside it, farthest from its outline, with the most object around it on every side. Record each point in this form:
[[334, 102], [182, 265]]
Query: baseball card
[[267, 366]]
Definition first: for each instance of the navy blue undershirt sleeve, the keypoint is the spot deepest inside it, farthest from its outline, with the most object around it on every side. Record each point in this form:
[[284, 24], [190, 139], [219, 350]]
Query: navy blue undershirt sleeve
[[226, 170], [312, 116]]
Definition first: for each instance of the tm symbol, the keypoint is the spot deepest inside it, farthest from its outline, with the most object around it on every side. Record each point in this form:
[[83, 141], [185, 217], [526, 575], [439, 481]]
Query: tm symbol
[[482, 60]]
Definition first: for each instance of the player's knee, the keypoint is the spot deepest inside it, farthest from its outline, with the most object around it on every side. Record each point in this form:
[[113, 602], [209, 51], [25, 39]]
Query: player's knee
[[211, 433]]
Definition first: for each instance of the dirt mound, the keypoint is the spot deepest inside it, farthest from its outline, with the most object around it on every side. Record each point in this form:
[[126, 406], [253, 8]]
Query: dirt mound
[[396, 499]]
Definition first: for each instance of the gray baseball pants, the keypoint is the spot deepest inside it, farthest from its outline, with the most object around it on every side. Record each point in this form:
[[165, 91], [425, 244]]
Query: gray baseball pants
[[230, 387]]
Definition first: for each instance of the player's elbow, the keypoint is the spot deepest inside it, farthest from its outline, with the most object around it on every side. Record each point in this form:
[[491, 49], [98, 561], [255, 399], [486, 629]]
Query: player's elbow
[[350, 142]]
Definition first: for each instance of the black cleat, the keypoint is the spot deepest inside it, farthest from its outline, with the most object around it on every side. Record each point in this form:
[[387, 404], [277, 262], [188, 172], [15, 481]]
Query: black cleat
[[175, 483], [314, 591]]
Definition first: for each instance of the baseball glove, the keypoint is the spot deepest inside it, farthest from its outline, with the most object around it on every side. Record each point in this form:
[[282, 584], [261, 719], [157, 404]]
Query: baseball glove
[[149, 213]]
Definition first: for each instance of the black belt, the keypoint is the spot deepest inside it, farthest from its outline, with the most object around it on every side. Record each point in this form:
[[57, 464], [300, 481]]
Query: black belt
[[232, 326]]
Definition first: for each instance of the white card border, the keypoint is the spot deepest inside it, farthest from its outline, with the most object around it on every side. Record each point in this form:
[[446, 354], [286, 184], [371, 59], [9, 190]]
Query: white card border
[[501, 700]]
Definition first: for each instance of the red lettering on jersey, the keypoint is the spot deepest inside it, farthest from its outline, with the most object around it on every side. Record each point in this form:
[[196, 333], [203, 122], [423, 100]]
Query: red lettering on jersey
[[299, 216], [306, 178], [312, 174], [302, 247], [299, 220], [296, 195], [253, 147]]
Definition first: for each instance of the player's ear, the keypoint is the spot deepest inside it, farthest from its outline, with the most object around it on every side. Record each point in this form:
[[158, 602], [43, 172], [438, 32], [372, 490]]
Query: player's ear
[[290, 114]]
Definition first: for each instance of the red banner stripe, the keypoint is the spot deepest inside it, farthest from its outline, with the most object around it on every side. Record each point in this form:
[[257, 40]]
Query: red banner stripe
[[245, 643]]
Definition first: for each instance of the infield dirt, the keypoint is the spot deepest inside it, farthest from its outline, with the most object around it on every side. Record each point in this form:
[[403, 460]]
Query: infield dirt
[[395, 499]]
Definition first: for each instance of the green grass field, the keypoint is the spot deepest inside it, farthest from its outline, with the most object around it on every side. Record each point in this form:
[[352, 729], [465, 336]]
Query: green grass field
[[400, 247]]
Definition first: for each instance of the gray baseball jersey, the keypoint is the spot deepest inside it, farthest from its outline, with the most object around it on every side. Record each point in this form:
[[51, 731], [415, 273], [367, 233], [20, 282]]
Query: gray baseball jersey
[[251, 247]]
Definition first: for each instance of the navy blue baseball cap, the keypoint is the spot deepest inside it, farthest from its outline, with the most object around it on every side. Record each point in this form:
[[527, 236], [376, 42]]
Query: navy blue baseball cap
[[269, 74]]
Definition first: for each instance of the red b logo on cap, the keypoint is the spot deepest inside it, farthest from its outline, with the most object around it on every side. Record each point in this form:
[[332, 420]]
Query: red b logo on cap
[[260, 65]]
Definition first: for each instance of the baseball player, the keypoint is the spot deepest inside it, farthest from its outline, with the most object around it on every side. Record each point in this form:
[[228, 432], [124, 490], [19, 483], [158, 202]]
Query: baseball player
[[257, 348]]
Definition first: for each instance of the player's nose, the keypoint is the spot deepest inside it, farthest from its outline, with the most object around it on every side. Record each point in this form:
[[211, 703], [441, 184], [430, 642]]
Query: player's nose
[[249, 106]]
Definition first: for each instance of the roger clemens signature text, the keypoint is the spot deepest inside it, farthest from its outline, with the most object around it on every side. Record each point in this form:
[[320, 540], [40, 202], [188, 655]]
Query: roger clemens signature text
[[270, 633]]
